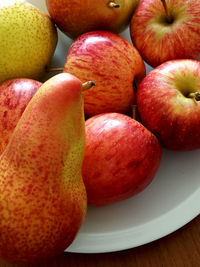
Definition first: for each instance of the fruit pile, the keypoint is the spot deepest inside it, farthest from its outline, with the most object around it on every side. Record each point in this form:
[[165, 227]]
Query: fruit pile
[[82, 123]]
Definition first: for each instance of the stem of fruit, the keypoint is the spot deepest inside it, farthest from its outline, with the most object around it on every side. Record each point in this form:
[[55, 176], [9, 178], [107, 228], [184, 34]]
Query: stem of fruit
[[166, 10], [49, 69], [113, 4], [87, 85], [195, 95], [134, 112]]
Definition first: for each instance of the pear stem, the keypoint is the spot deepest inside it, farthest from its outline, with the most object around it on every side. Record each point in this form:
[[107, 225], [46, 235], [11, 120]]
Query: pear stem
[[195, 95], [87, 85], [113, 4], [166, 10], [49, 69]]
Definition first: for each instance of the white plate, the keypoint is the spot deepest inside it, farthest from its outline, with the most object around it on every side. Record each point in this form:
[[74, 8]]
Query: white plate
[[171, 201]]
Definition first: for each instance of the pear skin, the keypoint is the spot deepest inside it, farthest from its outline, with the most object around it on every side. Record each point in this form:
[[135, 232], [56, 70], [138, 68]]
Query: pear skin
[[28, 39], [42, 196]]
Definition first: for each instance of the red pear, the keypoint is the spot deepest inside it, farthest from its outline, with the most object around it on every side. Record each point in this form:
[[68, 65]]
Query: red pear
[[43, 198]]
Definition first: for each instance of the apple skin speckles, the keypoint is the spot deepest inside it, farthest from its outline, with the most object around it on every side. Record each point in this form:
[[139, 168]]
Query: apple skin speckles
[[113, 64], [15, 95], [90, 15], [165, 107], [159, 41], [121, 158]]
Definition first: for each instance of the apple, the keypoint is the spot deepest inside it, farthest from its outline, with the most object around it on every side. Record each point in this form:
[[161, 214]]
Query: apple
[[75, 17], [168, 102], [164, 30], [15, 95], [113, 64], [121, 158]]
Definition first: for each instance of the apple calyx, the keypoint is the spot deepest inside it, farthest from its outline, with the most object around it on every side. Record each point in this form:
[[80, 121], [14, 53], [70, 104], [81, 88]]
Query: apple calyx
[[87, 85], [113, 4], [195, 95], [168, 17]]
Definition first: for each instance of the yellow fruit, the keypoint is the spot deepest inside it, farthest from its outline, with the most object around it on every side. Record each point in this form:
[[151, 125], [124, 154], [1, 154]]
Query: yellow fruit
[[28, 40]]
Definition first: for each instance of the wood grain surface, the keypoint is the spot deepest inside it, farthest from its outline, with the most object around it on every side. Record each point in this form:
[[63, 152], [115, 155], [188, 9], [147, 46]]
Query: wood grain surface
[[179, 249]]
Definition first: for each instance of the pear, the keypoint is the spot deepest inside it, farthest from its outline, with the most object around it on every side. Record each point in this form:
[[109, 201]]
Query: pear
[[42, 195], [28, 39]]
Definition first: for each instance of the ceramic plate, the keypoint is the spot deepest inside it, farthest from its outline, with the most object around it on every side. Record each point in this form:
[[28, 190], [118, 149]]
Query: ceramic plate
[[171, 201]]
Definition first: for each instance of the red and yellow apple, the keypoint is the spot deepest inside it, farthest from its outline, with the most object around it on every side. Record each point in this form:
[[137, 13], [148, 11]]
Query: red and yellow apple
[[75, 17], [121, 158], [15, 95], [163, 30], [169, 103], [113, 64]]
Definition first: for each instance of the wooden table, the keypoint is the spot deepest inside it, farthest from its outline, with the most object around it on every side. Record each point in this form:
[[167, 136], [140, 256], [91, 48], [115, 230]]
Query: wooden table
[[179, 249]]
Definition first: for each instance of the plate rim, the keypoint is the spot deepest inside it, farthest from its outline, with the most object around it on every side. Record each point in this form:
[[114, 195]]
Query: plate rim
[[142, 234]]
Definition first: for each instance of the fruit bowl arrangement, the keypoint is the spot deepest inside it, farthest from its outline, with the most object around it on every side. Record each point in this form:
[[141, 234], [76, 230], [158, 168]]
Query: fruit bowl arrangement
[[162, 189]]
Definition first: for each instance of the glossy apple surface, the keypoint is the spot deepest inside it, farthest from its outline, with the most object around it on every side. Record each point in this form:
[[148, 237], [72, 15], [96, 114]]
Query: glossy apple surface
[[113, 64], [75, 17], [15, 95], [159, 40], [167, 104], [121, 158]]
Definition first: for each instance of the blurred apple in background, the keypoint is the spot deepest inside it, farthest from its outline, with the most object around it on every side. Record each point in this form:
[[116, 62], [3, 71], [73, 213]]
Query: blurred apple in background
[[121, 158], [75, 17], [169, 103], [166, 29], [113, 64], [15, 95]]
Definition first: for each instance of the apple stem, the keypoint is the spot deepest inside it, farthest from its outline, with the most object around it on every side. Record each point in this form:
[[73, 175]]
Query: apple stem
[[49, 69], [166, 10], [134, 112], [87, 85], [113, 4], [195, 95]]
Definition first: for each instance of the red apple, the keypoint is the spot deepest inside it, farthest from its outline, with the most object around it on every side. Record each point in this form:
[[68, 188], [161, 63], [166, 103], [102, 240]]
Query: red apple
[[121, 158], [75, 17], [168, 103], [113, 64], [165, 30], [15, 95]]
